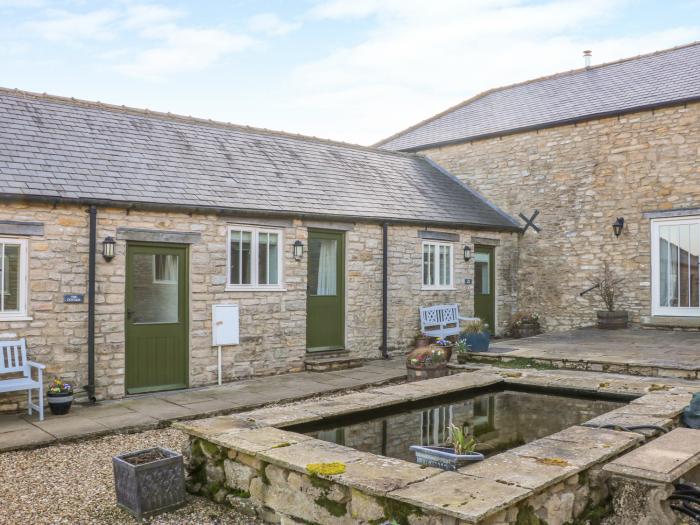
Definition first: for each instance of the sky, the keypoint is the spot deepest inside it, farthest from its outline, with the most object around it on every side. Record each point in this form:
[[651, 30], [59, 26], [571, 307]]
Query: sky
[[350, 70]]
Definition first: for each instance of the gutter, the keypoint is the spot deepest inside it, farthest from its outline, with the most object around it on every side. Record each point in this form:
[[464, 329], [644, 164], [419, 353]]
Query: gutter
[[543, 125], [90, 387], [246, 212]]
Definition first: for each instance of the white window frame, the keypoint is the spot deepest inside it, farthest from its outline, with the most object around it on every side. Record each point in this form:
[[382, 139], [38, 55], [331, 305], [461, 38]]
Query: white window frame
[[438, 245], [22, 313], [255, 233], [671, 311]]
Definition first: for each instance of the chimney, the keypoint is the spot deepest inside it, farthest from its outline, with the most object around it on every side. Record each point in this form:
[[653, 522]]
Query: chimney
[[587, 57]]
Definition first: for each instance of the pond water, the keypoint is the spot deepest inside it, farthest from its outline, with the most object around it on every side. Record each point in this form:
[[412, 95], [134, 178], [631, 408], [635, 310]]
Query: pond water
[[498, 420]]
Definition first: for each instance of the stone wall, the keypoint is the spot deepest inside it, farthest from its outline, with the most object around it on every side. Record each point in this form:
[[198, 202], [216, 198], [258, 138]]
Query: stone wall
[[581, 178], [272, 323]]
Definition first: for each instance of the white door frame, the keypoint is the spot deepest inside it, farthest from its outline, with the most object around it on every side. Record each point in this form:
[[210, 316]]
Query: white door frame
[[670, 311]]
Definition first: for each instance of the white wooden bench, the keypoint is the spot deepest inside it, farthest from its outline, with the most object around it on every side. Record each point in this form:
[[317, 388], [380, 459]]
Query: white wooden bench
[[441, 320], [13, 360]]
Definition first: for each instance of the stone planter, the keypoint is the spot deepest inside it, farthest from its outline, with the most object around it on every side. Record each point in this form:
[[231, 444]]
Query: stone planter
[[149, 481], [427, 362], [526, 330], [478, 342], [60, 403], [612, 320], [443, 457]]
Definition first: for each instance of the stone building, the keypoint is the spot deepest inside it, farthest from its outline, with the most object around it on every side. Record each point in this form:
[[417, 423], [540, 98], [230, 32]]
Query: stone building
[[585, 149], [174, 215]]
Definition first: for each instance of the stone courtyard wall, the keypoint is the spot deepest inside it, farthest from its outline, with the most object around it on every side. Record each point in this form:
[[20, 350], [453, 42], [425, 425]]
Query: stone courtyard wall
[[272, 323], [581, 178]]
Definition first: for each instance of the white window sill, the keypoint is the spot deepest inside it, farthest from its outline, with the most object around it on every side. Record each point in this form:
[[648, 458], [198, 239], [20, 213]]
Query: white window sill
[[19, 317], [438, 288], [253, 289]]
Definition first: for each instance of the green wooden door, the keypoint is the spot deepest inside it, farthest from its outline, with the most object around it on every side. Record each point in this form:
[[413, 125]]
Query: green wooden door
[[325, 307], [156, 317], [485, 285]]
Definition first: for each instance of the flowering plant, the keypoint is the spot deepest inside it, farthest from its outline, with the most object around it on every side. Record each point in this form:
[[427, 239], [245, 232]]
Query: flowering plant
[[462, 347], [521, 318], [57, 386], [443, 342]]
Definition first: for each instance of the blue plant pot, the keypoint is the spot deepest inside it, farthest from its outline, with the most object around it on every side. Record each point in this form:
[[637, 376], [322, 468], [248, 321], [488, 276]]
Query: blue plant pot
[[478, 342], [443, 457]]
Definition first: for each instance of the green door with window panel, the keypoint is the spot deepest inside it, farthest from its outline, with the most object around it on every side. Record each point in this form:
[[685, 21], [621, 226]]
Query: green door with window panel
[[325, 315], [485, 285], [156, 317]]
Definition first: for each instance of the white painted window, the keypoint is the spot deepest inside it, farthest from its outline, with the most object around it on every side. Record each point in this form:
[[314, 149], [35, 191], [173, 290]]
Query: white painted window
[[13, 279], [437, 266], [675, 266], [254, 258]]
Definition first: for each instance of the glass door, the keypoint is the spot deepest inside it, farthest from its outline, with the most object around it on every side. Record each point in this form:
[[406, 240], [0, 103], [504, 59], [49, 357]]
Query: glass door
[[675, 267]]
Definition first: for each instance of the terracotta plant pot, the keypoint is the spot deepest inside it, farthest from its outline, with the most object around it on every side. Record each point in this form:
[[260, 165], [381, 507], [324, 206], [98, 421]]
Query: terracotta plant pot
[[422, 342], [612, 320]]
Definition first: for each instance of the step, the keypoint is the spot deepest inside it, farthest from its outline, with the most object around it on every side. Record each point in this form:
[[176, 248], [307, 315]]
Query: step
[[327, 364]]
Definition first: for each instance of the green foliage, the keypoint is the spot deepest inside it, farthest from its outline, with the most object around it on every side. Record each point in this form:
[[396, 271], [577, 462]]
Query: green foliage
[[527, 516], [462, 443], [524, 362], [461, 347], [334, 508], [474, 327], [399, 513], [592, 514]]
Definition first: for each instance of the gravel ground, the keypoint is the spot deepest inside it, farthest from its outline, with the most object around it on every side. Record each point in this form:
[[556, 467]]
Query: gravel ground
[[73, 484]]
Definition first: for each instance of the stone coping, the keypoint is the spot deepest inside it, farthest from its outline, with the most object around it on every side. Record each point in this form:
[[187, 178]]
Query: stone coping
[[476, 491], [663, 460]]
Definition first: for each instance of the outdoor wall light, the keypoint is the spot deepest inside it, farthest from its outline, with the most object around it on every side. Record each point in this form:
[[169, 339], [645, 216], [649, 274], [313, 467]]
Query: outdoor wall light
[[618, 225], [108, 248], [298, 250], [467, 252]]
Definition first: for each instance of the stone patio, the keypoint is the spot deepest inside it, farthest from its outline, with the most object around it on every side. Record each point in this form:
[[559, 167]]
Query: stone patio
[[635, 351], [158, 410]]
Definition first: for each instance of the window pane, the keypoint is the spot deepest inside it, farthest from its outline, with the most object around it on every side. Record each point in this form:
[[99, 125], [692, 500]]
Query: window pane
[[273, 257], [262, 258], [153, 302], [482, 281], [445, 263], [268, 258], [10, 278], [429, 266], [679, 252], [165, 268], [694, 265], [323, 258], [241, 257]]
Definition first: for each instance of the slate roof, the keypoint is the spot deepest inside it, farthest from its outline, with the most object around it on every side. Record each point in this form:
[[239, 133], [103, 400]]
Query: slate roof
[[56, 148], [663, 78]]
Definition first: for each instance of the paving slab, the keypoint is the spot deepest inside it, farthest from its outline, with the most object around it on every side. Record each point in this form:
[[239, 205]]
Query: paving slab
[[378, 475], [25, 438], [664, 459], [444, 385], [12, 423], [280, 416], [297, 457], [211, 427], [252, 441], [128, 421], [468, 498], [70, 426], [524, 472], [158, 408]]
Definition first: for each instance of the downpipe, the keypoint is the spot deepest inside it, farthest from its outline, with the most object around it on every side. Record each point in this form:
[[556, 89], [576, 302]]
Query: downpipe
[[385, 290], [90, 387]]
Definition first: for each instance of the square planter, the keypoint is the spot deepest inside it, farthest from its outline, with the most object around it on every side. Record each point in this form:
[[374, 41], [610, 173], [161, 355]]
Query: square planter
[[443, 457], [149, 481]]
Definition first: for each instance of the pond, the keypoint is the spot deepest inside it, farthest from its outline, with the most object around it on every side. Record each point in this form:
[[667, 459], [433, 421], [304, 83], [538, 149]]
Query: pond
[[499, 420]]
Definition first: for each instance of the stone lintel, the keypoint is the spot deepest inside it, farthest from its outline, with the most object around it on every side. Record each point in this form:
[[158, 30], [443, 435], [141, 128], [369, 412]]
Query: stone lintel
[[330, 225], [486, 241], [666, 214], [430, 235], [144, 235], [663, 460], [262, 221], [21, 228]]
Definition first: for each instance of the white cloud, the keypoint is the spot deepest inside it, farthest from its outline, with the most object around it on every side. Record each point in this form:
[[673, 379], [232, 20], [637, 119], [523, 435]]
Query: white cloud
[[23, 4], [419, 59], [183, 50], [140, 16], [271, 25], [63, 25]]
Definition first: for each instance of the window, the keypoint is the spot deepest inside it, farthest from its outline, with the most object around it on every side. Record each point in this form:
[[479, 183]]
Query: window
[[13, 278], [164, 268], [675, 266], [437, 266], [255, 259]]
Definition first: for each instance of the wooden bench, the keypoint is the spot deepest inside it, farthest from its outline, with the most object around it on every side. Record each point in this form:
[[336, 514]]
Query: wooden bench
[[441, 320], [13, 360]]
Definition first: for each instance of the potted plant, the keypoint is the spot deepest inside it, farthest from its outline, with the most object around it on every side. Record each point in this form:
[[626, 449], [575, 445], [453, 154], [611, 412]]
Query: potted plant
[[525, 324], [446, 346], [422, 339], [59, 394], [476, 335], [462, 349], [426, 363], [608, 289], [149, 481], [462, 452]]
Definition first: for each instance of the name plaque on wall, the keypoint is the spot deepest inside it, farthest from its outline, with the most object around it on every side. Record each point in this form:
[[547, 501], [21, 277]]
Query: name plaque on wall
[[74, 298]]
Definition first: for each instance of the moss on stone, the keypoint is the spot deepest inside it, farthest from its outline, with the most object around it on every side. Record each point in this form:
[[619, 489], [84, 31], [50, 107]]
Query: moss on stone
[[524, 362], [282, 445], [263, 474], [320, 483], [654, 387], [397, 511], [556, 462], [334, 508], [325, 469], [240, 493], [209, 449], [527, 516], [593, 514]]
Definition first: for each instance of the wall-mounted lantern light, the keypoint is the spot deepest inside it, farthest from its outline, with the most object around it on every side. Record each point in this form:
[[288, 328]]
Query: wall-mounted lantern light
[[108, 248], [618, 225], [467, 252], [298, 250]]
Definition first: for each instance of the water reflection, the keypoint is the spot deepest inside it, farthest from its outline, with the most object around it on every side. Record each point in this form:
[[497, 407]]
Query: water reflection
[[498, 421]]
